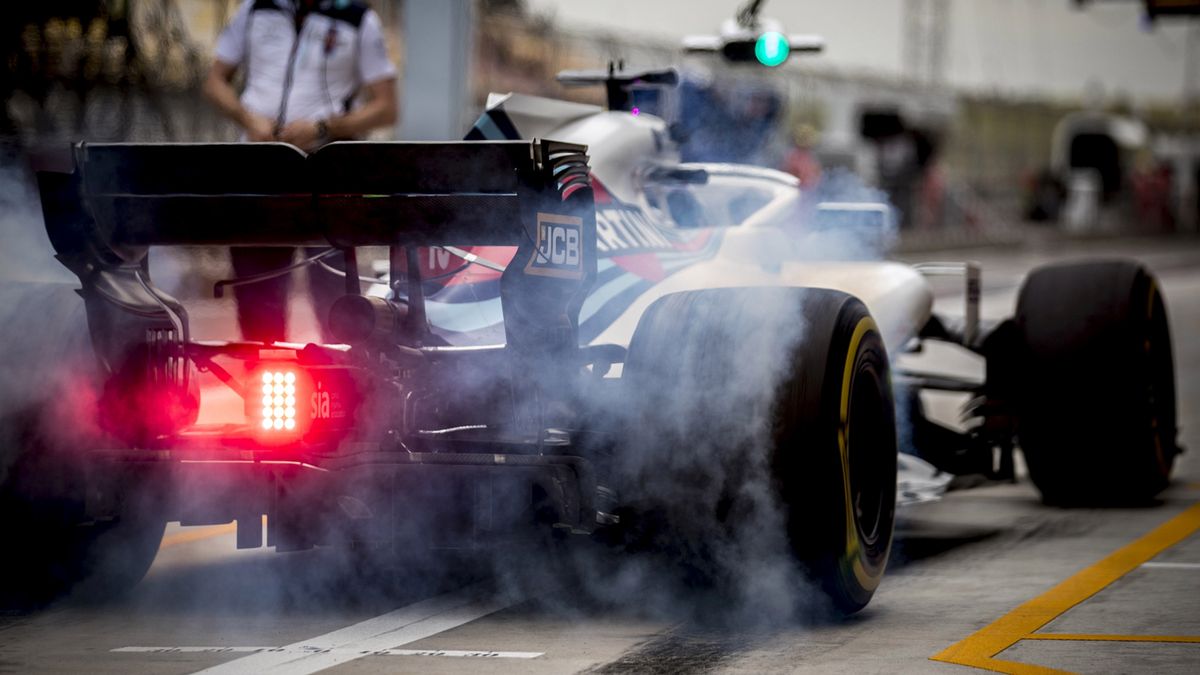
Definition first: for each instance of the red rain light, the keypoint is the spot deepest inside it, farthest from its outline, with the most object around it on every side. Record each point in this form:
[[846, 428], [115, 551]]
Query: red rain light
[[273, 398]]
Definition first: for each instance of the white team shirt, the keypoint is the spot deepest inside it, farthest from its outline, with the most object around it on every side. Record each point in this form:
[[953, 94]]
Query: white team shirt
[[310, 74]]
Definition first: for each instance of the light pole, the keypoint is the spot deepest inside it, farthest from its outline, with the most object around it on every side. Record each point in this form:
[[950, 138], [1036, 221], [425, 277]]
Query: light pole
[[438, 35]]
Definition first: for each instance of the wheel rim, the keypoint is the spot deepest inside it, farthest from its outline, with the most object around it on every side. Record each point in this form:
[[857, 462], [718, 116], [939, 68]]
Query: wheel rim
[[868, 430]]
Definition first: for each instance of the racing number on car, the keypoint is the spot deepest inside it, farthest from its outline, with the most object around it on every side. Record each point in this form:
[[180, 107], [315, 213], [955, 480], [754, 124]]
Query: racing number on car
[[559, 247]]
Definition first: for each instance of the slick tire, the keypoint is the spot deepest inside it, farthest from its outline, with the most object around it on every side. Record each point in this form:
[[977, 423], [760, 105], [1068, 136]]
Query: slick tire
[[93, 562], [785, 389], [1096, 395], [115, 556], [56, 550]]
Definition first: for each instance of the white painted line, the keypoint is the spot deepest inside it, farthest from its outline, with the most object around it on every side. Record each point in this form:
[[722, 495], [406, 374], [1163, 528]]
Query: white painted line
[[456, 653], [464, 654], [385, 632], [1172, 565], [190, 650]]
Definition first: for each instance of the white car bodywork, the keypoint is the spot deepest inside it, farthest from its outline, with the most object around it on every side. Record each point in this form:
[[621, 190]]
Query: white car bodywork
[[754, 235], [767, 247]]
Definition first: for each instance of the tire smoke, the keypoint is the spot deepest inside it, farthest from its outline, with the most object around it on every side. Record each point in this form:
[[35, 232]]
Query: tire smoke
[[704, 536]]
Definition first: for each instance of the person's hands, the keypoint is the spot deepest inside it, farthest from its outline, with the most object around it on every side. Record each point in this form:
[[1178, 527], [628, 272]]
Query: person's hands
[[303, 134], [258, 128]]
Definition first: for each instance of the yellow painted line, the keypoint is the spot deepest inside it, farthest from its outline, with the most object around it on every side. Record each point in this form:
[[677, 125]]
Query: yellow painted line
[[1083, 637], [979, 649], [200, 533], [196, 534]]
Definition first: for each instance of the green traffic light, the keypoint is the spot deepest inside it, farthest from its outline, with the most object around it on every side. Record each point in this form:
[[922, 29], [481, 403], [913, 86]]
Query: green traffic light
[[771, 49]]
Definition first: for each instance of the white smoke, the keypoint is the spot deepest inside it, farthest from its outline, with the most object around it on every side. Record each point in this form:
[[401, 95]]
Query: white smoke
[[691, 567], [684, 559], [42, 326]]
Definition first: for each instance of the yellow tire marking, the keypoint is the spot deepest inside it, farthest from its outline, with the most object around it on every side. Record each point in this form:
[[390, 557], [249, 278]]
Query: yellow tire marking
[[1084, 637], [865, 325], [979, 649]]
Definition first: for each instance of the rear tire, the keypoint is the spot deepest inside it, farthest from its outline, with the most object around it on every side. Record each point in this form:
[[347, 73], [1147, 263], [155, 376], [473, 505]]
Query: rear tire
[[1096, 398], [96, 561], [720, 374], [57, 550]]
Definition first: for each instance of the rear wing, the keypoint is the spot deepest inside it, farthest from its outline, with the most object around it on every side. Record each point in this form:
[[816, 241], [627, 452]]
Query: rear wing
[[345, 194], [105, 204]]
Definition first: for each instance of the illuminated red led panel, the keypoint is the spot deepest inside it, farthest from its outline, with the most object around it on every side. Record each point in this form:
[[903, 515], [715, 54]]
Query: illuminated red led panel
[[273, 401]]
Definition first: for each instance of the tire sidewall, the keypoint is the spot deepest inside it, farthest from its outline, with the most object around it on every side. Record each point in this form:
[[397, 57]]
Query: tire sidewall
[[816, 473], [833, 353]]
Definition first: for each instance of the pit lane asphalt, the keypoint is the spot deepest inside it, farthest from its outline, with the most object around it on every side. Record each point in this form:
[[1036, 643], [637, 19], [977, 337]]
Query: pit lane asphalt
[[959, 570]]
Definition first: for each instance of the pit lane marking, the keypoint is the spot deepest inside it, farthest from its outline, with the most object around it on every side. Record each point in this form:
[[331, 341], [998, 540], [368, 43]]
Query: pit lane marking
[[200, 533], [1172, 565], [979, 649], [455, 653], [382, 633], [1101, 637]]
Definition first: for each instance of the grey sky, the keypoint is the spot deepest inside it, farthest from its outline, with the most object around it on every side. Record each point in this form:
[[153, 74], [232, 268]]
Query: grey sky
[[1024, 46]]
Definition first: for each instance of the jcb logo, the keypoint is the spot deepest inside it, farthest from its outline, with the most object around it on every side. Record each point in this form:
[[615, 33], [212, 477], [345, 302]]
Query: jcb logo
[[320, 404], [559, 244], [559, 251]]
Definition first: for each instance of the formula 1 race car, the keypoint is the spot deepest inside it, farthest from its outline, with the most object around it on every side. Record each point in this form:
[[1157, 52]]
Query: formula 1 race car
[[567, 335]]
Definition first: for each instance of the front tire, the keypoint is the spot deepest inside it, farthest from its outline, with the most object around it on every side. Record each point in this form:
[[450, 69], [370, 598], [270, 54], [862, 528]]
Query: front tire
[[1096, 399]]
